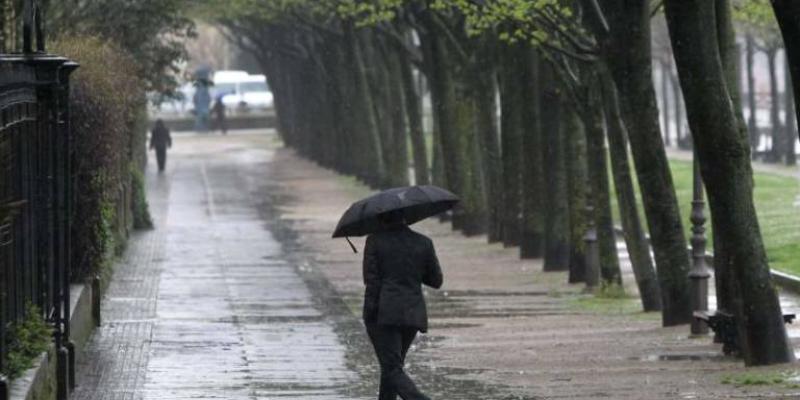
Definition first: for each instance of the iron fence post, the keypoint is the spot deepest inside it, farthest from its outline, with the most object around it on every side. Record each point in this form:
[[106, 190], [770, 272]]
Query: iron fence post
[[4, 389], [35, 185], [65, 209]]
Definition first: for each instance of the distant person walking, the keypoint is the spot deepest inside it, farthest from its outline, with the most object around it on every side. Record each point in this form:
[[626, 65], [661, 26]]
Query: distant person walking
[[160, 141], [397, 261], [219, 115]]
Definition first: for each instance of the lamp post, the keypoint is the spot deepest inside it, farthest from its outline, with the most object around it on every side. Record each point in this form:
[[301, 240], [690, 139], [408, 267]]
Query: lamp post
[[699, 274]]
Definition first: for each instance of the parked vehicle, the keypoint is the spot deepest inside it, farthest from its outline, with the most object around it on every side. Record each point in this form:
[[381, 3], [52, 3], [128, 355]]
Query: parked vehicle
[[241, 92]]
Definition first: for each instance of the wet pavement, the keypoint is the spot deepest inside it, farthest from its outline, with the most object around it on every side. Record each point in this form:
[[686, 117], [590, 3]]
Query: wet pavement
[[240, 293], [208, 305]]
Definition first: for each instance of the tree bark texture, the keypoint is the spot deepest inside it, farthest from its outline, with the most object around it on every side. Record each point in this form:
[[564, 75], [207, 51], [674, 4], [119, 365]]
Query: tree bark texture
[[437, 167], [533, 187], [787, 12], [458, 142], [627, 52], [752, 127], [727, 174], [578, 185], [635, 240], [415, 129], [484, 79], [557, 234], [511, 123], [790, 125], [398, 115], [730, 55], [600, 196], [665, 102], [366, 122], [774, 108]]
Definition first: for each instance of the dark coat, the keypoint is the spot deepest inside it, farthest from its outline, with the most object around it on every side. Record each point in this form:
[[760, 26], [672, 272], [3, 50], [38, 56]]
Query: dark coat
[[396, 264], [160, 138]]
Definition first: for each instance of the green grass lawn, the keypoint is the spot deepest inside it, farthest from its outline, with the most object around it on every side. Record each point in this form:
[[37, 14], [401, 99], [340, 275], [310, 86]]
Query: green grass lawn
[[775, 198]]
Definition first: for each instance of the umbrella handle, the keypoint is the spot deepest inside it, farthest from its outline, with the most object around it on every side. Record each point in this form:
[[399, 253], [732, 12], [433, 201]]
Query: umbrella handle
[[351, 244]]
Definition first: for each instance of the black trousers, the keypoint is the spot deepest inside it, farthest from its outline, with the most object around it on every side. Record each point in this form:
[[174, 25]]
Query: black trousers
[[391, 344], [161, 157]]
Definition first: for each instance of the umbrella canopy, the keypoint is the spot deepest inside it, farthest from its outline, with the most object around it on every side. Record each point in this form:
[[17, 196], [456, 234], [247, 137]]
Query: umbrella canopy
[[416, 202]]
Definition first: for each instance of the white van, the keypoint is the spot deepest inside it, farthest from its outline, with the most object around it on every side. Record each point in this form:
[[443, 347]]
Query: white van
[[256, 93], [241, 92]]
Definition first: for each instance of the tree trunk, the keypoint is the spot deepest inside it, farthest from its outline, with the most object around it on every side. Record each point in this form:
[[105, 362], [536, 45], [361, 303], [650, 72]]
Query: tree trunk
[[556, 245], [484, 80], [731, 56], [364, 112], [415, 129], [774, 108], [787, 12], [790, 127], [437, 167], [533, 189], [677, 104], [752, 127], [600, 197], [381, 88], [626, 49], [575, 149], [396, 101], [511, 130], [635, 240], [457, 137], [665, 102], [726, 171]]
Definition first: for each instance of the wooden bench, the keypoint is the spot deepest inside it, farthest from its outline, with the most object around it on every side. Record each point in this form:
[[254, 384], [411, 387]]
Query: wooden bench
[[724, 325]]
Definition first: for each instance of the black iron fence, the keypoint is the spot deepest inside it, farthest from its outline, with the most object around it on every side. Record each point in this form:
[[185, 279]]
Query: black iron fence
[[35, 191]]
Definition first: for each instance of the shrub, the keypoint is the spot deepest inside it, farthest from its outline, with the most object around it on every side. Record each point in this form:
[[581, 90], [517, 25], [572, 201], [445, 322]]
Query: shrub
[[141, 210], [29, 338], [107, 100]]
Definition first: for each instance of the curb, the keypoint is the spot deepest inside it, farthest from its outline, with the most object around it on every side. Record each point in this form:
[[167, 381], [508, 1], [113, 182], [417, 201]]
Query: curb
[[786, 281], [39, 382]]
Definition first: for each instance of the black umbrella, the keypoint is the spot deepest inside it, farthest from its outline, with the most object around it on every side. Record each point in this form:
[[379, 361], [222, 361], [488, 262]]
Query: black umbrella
[[416, 203]]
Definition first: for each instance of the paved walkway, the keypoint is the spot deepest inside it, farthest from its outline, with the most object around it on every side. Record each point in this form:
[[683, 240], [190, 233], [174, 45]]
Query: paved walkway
[[207, 305], [241, 294]]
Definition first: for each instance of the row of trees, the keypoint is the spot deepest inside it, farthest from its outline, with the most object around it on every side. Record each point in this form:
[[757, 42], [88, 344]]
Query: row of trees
[[568, 78]]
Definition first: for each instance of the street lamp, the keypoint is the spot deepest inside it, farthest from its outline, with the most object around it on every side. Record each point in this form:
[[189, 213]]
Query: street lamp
[[699, 274]]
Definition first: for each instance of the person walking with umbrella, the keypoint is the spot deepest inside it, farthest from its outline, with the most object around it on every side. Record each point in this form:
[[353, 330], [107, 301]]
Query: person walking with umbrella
[[397, 262]]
